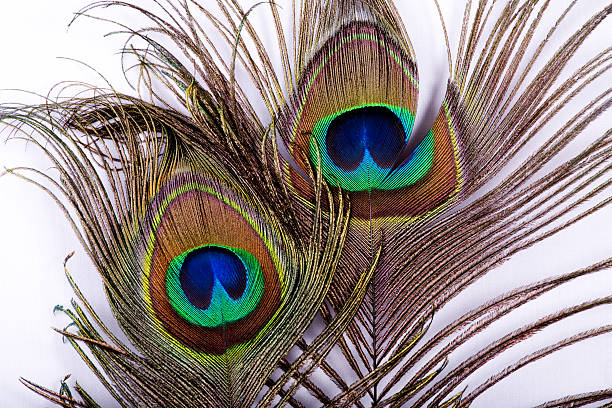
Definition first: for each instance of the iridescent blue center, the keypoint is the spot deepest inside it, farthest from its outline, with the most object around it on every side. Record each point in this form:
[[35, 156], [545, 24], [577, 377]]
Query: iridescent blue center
[[362, 148], [203, 266], [375, 128]]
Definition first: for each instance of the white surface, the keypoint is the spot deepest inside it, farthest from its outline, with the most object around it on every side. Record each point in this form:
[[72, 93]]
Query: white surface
[[35, 237]]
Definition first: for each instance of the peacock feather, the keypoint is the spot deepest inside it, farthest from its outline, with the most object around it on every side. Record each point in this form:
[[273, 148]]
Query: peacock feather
[[272, 226]]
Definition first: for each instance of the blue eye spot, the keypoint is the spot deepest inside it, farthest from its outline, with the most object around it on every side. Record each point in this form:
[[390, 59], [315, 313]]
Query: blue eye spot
[[376, 128], [357, 148], [202, 266], [211, 285]]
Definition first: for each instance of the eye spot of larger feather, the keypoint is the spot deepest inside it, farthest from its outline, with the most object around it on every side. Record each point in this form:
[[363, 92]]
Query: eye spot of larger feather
[[214, 268], [208, 266], [212, 285]]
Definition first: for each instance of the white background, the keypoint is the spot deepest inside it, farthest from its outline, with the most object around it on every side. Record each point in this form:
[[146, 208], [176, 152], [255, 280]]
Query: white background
[[35, 237]]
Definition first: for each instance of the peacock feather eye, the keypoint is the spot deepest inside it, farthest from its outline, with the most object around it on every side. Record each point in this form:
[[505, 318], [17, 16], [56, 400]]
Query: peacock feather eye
[[357, 148], [352, 116], [212, 285], [214, 268]]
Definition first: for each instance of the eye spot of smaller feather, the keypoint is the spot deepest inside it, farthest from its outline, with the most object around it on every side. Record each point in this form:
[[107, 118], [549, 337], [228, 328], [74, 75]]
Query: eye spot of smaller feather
[[375, 128]]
